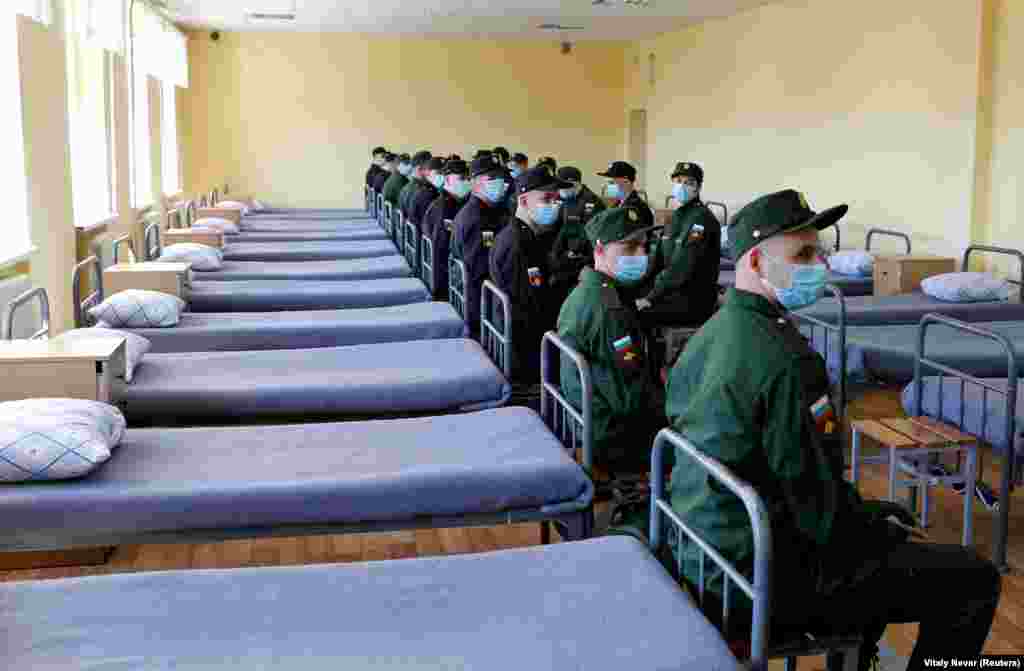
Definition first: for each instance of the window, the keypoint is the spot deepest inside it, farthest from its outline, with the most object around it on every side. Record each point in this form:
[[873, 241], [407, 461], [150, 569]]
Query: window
[[14, 225], [88, 116], [40, 10], [171, 173], [142, 162]]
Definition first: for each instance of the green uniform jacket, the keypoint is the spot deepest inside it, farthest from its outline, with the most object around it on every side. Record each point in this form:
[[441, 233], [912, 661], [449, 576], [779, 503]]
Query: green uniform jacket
[[393, 187], [687, 258], [406, 195], [626, 405], [749, 391]]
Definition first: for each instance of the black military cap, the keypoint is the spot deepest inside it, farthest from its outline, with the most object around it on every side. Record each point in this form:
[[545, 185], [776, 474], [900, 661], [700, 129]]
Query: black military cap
[[456, 167], [539, 178], [436, 163], [378, 151], [482, 152], [549, 162], [620, 169], [570, 174], [421, 158], [404, 158], [617, 224], [487, 165], [501, 153], [519, 157], [453, 157], [689, 170], [781, 212]]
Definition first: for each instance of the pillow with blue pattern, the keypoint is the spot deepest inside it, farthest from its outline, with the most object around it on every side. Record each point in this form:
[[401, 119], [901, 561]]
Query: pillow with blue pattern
[[852, 262], [139, 308], [36, 450], [966, 287], [103, 417]]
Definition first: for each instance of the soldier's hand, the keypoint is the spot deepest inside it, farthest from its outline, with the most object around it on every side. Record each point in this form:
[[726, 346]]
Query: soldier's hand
[[642, 304], [880, 510]]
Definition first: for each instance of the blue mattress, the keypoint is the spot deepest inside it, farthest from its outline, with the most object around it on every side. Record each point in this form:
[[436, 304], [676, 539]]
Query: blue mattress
[[376, 268], [237, 331], [909, 308], [359, 380], [308, 213], [307, 251], [277, 295], [887, 353], [374, 233], [848, 284], [320, 226], [984, 415], [166, 481], [603, 604]]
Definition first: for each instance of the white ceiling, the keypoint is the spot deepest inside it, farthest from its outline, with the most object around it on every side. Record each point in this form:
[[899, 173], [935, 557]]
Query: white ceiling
[[462, 18]]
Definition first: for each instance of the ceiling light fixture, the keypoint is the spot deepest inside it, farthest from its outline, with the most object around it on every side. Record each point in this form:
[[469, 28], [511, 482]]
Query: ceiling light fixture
[[270, 17], [637, 4], [558, 27]]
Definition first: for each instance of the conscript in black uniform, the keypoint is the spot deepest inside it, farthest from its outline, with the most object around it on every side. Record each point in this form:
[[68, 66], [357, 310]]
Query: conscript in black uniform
[[621, 189], [439, 222], [520, 267], [750, 391], [476, 227], [571, 251]]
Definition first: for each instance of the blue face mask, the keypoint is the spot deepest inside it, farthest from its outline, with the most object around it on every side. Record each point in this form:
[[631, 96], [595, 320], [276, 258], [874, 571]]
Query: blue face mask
[[629, 269], [494, 190], [567, 194], [459, 189], [404, 169], [515, 172], [613, 191], [437, 180], [682, 193], [806, 285], [545, 215]]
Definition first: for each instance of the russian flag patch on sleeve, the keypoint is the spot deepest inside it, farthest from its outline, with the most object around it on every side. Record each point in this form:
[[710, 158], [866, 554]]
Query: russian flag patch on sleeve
[[824, 415], [626, 355]]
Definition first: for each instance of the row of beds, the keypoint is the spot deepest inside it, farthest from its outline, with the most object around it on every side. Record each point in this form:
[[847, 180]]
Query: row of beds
[[426, 443]]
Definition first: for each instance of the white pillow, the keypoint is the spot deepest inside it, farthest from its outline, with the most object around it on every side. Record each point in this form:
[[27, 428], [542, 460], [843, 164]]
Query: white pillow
[[138, 308], [202, 257], [103, 417], [49, 450], [233, 205], [135, 346], [966, 287], [216, 224], [258, 205], [857, 263]]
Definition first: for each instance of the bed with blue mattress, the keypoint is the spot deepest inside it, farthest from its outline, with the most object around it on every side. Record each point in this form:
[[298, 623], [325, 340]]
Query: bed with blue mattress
[[376, 268], [307, 226], [909, 308], [306, 213], [375, 380], [277, 295], [603, 604], [179, 485], [374, 233], [307, 251], [223, 332]]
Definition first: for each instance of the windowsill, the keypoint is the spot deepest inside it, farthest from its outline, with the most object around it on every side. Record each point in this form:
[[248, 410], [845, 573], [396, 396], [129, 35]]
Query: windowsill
[[88, 228], [6, 261]]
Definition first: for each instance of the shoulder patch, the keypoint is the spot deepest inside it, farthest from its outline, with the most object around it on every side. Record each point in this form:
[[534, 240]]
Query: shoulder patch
[[824, 415], [627, 354]]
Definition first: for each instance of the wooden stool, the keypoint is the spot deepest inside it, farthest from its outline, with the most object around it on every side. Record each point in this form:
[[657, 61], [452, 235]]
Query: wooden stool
[[909, 439]]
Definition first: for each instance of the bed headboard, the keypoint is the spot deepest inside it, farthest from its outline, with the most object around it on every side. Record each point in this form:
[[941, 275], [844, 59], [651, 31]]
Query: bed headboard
[[574, 426], [10, 310], [1005, 251], [496, 337], [126, 241], [82, 305], [151, 243], [882, 232]]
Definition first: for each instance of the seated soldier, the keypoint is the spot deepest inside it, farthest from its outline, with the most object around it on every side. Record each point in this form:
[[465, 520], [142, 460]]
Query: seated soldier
[[571, 252], [601, 323], [749, 391]]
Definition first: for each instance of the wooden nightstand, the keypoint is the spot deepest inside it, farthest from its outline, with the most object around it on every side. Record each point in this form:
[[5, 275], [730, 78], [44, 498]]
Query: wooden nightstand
[[61, 368], [170, 278], [232, 215], [196, 235]]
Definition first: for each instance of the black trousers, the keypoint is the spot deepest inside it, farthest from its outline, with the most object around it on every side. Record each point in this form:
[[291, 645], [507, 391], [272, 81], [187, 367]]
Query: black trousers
[[948, 589]]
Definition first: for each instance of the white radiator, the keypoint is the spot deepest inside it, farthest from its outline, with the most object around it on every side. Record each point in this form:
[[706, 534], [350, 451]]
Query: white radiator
[[27, 320]]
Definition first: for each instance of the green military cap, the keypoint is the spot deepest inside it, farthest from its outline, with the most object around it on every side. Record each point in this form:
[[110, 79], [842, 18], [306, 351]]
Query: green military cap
[[781, 212], [617, 224]]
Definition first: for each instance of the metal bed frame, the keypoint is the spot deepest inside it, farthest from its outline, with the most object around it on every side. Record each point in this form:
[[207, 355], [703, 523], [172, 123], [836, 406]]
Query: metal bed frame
[[1010, 470], [457, 285], [82, 305], [127, 241], [152, 245], [881, 232], [411, 246], [495, 338], [667, 539], [1005, 251], [379, 211], [387, 223], [9, 310], [427, 262]]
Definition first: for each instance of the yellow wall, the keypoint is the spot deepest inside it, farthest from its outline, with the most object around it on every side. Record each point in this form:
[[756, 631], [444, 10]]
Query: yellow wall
[[871, 103], [998, 204], [47, 162], [292, 117]]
